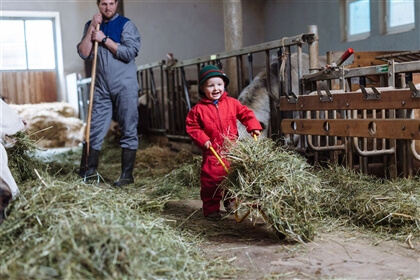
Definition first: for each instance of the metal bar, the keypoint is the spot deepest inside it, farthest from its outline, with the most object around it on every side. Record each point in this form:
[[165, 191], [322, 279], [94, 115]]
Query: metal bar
[[151, 65], [318, 148], [366, 152], [185, 89], [170, 93], [156, 102], [334, 73], [250, 68], [286, 41], [414, 152]]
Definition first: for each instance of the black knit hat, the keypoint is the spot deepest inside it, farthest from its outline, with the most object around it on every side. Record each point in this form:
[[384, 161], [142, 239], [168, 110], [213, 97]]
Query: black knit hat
[[210, 71]]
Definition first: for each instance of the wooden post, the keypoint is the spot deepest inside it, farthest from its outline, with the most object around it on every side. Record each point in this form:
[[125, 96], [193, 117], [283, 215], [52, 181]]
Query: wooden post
[[232, 11]]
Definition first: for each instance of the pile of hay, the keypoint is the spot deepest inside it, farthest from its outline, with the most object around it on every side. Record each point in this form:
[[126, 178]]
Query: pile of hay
[[277, 181], [60, 228], [180, 183], [52, 124], [21, 160], [391, 206]]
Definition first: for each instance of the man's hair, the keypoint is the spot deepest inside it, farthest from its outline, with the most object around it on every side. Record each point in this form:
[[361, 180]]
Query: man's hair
[[99, 1]]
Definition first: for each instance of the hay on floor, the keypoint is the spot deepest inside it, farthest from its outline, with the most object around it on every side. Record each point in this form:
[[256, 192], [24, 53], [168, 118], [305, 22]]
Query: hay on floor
[[391, 206]]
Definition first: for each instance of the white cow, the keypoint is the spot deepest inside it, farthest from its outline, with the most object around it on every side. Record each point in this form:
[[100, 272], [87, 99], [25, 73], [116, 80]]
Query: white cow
[[256, 95], [10, 124]]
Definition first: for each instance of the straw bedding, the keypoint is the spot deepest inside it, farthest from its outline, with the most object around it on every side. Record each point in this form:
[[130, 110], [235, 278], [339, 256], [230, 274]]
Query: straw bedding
[[61, 228], [391, 206], [296, 198]]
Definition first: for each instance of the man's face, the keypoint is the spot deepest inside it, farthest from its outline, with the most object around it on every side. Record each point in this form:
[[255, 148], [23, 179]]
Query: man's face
[[108, 8]]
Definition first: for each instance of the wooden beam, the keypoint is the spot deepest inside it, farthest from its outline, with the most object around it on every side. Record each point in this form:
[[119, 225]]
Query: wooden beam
[[368, 128], [389, 99]]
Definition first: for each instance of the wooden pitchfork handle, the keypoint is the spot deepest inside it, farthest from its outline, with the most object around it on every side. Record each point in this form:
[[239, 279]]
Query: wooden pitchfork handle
[[219, 159], [91, 92]]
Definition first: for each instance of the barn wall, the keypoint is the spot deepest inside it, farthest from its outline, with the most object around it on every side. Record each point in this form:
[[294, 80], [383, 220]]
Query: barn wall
[[287, 18], [186, 28], [191, 29]]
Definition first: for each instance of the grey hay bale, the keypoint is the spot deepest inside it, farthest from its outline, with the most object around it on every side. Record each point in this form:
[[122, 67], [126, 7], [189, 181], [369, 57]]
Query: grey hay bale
[[280, 182]]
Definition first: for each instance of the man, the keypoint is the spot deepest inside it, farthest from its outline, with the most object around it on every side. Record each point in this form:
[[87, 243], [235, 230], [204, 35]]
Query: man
[[116, 86]]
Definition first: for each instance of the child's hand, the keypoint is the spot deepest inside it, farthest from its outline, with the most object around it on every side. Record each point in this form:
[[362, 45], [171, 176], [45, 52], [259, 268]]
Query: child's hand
[[255, 133], [207, 145]]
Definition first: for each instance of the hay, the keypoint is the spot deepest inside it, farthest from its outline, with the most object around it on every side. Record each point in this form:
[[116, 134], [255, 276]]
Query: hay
[[65, 128], [60, 228], [278, 181], [69, 230], [180, 183], [391, 206], [21, 160]]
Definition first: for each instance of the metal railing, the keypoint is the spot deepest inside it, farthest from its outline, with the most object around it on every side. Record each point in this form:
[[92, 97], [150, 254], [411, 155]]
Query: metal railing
[[372, 126]]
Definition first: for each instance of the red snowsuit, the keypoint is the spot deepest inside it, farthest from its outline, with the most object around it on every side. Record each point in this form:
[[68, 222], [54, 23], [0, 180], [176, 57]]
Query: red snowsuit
[[210, 121]]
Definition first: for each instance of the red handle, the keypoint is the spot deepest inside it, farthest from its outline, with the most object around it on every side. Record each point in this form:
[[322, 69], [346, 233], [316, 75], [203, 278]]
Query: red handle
[[345, 55]]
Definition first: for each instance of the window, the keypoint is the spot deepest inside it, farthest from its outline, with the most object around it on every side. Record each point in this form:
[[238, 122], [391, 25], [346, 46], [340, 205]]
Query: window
[[357, 14], [27, 44], [399, 16], [30, 41]]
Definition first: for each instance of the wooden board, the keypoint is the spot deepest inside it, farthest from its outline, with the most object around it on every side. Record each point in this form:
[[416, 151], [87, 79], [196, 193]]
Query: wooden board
[[28, 87], [367, 128]]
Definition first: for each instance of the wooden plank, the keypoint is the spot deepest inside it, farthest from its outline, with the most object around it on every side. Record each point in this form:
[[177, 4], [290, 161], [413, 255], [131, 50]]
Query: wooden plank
[[361, 59], [416, 78], [24, 87], [388, 99], [368, 128]]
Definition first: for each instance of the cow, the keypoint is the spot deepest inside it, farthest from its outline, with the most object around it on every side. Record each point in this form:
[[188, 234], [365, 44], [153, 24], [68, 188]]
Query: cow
[[256, 95], [10, 124]]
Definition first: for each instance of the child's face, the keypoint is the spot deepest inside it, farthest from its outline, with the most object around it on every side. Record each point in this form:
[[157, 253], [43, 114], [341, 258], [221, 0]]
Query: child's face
[[213, 88]]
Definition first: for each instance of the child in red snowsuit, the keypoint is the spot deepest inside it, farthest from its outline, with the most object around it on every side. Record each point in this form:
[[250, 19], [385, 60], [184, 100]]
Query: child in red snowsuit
[[208, 123]]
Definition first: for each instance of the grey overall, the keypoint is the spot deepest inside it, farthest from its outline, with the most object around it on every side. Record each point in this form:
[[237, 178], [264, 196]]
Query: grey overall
[[116, 87]]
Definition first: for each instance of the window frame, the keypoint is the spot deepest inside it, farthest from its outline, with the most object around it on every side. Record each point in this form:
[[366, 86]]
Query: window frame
[[388, 30], [55, 17], [346, 24], [26, 16]]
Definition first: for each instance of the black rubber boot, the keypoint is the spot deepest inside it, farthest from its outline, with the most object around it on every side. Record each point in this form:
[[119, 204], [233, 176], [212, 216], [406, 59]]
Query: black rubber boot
[[90, 173], [128, 157]]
